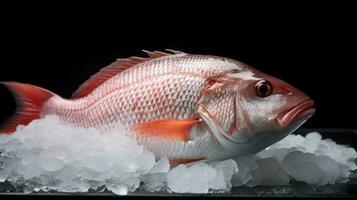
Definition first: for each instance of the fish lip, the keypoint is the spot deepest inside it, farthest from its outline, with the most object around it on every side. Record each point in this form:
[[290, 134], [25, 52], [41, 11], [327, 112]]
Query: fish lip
[[304, 109]]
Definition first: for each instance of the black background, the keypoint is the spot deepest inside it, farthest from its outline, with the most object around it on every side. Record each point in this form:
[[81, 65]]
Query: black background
[[313, 47]]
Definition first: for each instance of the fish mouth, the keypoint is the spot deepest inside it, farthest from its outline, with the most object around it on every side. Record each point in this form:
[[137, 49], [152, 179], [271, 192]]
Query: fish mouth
[[303, 110]]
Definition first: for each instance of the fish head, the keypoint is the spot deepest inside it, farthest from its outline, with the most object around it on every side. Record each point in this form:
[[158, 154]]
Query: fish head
[[266, 109], [267, 104]]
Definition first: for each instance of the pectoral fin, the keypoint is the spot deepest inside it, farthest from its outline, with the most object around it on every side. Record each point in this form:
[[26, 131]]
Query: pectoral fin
[[166, 129]]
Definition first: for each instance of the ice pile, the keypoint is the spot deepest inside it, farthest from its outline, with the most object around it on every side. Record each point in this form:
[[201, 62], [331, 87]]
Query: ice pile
[[309, 159], [202, 177], [47, 155]]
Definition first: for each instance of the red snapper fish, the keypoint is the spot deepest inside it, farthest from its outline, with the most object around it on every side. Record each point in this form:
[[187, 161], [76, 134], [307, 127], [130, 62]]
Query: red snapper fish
[[186, 107]]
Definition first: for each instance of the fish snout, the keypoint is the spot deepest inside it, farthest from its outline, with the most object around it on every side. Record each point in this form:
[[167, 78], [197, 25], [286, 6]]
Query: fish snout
[[303, 110]]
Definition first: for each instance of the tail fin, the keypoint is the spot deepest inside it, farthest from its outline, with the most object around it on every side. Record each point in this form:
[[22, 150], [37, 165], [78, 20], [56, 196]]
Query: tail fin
[[29, 100]]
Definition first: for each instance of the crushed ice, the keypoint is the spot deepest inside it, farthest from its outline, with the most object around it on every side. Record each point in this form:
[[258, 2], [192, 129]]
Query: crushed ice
[[47, 155]]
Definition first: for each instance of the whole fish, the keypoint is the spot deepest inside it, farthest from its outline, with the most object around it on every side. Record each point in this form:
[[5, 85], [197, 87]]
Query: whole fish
[[186, 107]]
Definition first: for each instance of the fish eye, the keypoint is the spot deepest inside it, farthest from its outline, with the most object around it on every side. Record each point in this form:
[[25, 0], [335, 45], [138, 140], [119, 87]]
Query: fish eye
[[263, 88]]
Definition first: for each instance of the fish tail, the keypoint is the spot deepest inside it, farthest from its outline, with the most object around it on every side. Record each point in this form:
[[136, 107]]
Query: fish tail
[[29, 101]]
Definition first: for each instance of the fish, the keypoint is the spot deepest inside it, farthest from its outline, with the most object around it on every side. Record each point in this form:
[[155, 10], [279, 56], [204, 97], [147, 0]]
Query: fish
[[186, 107]]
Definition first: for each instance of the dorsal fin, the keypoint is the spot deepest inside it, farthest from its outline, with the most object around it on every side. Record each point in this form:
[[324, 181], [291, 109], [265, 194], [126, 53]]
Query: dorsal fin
[[157, 54], [114, 69], [105, 74]]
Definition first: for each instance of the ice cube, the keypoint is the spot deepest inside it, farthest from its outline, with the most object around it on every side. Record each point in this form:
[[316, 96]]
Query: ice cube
[[162, 166], [313, 137], [302, 167], [192, 179], [154, 182], [224, 172], [269, 173], [246, 164], [118, 189]]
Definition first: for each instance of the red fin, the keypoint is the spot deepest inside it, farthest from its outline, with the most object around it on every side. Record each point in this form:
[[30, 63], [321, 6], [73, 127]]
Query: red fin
[[114, 69], [156, 54], [175, 51], [185, 161], [167, 129], [29, 99], [105, 74]]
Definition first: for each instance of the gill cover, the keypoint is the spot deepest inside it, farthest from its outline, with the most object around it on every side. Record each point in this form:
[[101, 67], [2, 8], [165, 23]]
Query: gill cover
[[218, 110]]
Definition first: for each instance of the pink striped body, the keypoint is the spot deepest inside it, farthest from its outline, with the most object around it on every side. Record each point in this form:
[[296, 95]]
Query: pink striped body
[[164, 88]]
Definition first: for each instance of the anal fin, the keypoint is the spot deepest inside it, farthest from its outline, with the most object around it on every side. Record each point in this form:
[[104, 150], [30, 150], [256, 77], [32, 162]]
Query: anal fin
[[185, 160]]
